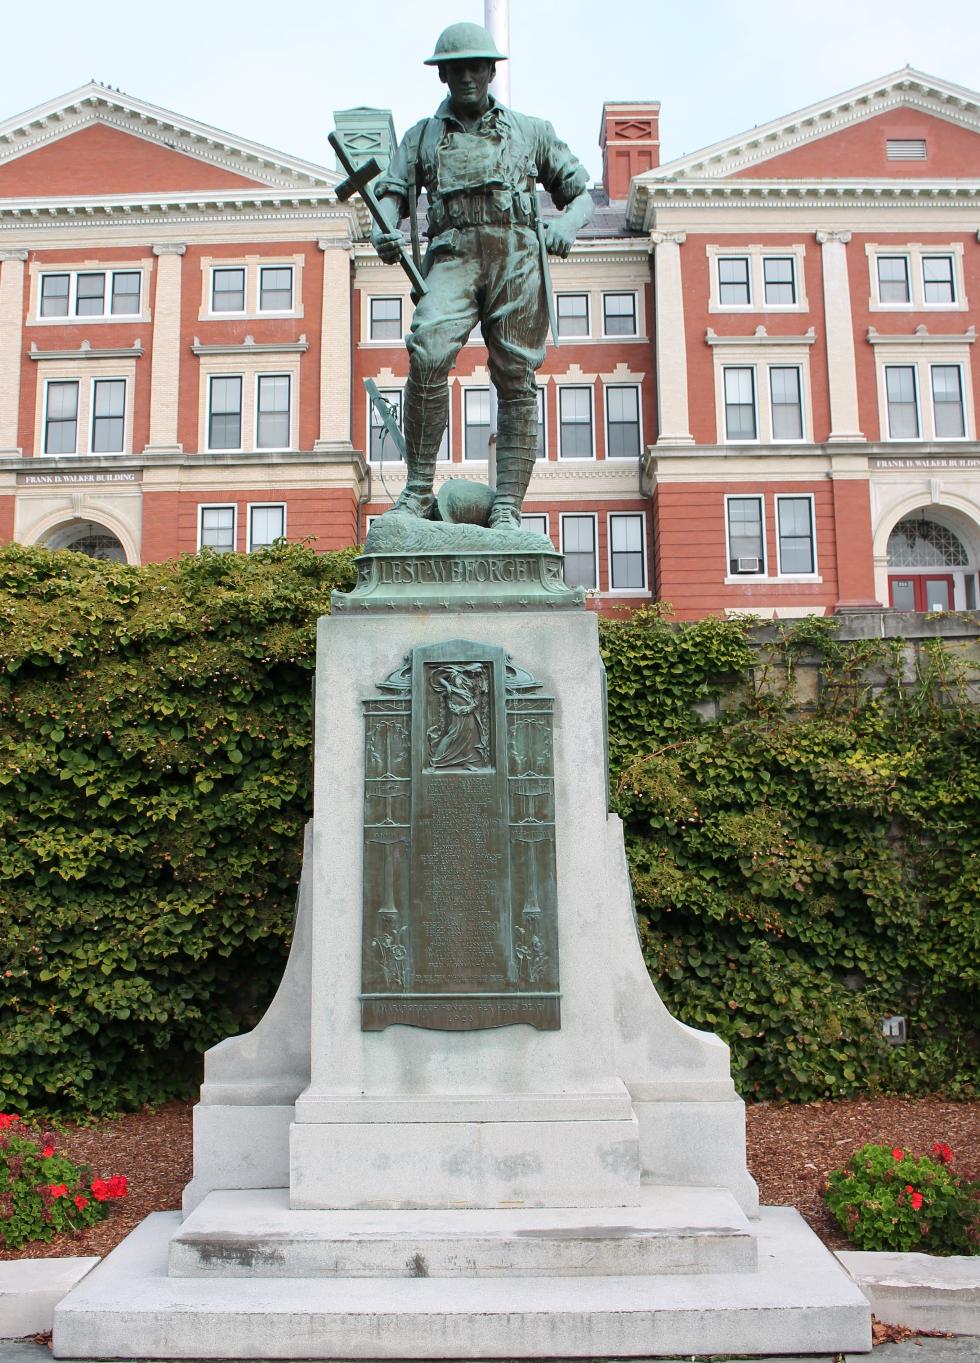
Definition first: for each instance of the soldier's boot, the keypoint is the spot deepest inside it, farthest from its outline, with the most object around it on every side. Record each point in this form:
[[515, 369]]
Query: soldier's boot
[[426, 413], [517, 445]]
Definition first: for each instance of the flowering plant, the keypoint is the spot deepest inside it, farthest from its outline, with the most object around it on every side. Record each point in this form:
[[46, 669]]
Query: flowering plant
[[42, 1191], [885, 1198]]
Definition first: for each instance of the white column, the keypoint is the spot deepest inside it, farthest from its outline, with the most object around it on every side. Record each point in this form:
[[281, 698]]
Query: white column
[[165, 355], [496, 20], [673, 421], [11, 344], [845, 424], [335, 346]]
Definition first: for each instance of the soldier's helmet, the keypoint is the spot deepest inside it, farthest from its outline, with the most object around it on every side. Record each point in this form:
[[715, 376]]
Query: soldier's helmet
[[459, 41]]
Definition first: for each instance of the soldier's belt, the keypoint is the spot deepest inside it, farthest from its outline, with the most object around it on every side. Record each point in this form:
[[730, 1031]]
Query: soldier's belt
[[478, 210]]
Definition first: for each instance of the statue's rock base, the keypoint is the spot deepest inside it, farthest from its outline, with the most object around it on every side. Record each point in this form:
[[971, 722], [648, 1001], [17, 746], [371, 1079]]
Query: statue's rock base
[[501, 1192]]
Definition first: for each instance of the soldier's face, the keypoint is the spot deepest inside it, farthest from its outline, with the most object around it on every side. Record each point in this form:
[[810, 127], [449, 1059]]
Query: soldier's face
[[468, 81]]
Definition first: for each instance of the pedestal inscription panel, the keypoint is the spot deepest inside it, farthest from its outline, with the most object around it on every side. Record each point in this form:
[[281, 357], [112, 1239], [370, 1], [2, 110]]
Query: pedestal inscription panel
[[460, 913]]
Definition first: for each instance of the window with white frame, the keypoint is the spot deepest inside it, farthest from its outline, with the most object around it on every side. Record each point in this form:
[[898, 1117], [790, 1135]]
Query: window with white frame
[[578, 544], [914, 277], [796, 548], [385, 319], [228, 288], [746, 536], [542, 449], [108, 416], [572, 314], [90, 293], [275, 288], [216, 528], [622, 422], [535, 522], [786, 397], [741, 417], [924, 388], [627, 556], [225, 412], [266, 524], [734, 288], [902, 397], [61, 416], [476, 423], [619, 314], [272, 412], [756, 278], [575, 423], [779, 280], [381, 447], [949, 419]]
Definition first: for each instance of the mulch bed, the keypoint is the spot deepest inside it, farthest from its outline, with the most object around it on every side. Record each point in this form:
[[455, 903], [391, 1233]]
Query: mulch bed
[[791, 1147]]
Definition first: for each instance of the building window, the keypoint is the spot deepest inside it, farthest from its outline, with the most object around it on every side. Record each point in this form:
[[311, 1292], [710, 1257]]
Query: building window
[[903, 405], [382, 449], [61, 417], [276, 288], [542, 451], [937, 279], [779, 280], [740, 413], [108, 416], [947, 401], [217, 529], [794, 523], [91, 293], [787, 402], [575, 423], [893, 279], [627, 560], [572, 314], [578, 546], [476, 423], [746, 541], [622, 423], [228, 289], [733, 281], [539, 524], [272, 412], [266, 524], [619, 314], [225, 413], [385, 319]]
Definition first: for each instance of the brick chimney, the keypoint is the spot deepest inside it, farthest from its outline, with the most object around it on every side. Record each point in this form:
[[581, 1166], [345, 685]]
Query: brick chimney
[[630, 142]]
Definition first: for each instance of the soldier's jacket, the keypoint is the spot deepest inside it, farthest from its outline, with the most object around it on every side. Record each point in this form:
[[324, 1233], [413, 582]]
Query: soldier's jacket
[[486, 175]]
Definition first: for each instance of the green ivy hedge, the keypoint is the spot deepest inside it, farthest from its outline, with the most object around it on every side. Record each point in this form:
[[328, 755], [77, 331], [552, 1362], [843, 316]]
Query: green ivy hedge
[[802, 873], [154, 781], [797, 877]]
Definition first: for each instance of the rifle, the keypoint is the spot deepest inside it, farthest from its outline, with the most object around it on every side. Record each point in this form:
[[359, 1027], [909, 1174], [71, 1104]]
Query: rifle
[[359, 182]]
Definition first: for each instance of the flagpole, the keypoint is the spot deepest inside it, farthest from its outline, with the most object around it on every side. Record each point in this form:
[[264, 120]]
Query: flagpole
[[496, 20]]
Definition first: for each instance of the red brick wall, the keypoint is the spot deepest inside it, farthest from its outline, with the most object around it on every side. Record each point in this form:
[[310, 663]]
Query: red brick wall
[[100, 160], [858, 152], [7, 519], [325, 518]]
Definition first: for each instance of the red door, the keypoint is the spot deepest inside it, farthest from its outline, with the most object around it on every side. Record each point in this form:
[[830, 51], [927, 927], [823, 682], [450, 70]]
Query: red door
[[921, 592]]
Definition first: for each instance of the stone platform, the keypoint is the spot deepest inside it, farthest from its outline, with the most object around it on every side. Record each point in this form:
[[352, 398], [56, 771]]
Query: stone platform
[[799, 1301]]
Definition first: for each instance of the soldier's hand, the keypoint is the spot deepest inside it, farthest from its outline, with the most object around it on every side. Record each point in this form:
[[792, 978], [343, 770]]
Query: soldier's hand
[[558, 238], [387, 245]]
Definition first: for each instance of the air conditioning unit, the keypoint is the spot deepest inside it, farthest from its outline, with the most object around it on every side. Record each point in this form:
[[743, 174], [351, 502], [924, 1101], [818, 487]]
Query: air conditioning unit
[[747, 565]]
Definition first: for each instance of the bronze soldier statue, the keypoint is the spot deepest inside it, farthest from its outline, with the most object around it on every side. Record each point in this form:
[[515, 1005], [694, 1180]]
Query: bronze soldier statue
[[480, 165]]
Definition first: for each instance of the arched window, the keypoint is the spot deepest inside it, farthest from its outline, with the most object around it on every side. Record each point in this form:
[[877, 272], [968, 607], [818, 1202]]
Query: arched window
[[87, 537], [918, 543]]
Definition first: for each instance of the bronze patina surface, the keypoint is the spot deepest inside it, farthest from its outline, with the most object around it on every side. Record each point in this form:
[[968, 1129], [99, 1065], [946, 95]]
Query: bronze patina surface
[[460, 914]]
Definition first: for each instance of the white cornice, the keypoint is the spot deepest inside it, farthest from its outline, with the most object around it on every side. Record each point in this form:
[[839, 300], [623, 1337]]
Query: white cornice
[[94, 103], [157, 211], [922, 336]]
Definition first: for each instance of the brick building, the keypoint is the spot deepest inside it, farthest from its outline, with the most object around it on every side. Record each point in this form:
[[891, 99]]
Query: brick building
[[763, 396]]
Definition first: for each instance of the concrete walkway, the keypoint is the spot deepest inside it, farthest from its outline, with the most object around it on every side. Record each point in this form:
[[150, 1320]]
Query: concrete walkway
[[918, 1350]]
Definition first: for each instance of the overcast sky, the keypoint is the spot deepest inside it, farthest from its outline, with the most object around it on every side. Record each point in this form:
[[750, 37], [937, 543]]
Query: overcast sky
[[275, 72]]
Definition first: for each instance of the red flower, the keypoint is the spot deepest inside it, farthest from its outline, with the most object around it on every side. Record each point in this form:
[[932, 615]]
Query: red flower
[[7, 1119], [898, 1154], [916, 1200], [58, 1190], [909, 1188], [105, 1188], [100, 1189], [47, 1152], [942, 1152], [118, 1186], [81, 1201]]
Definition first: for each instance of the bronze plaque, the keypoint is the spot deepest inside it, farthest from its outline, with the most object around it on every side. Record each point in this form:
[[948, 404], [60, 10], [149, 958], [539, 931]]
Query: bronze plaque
[[460, 913]]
